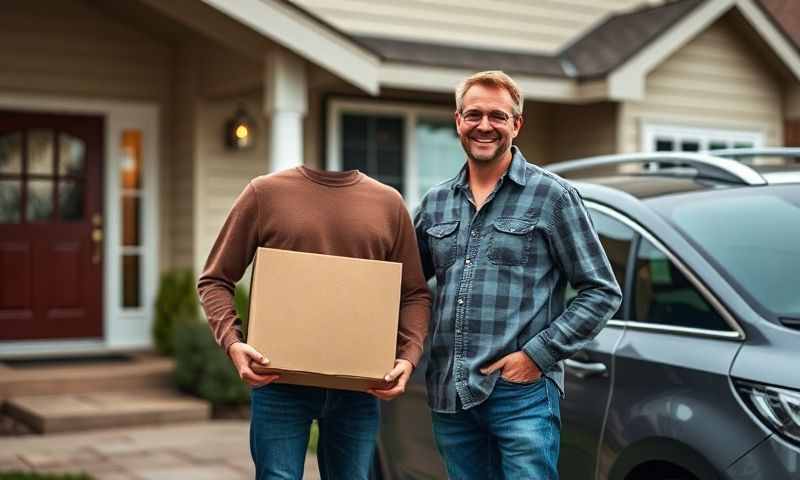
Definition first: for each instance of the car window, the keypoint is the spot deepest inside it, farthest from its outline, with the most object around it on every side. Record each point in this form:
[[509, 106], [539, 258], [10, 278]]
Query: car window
[[616, 238], [750, 235], [663, 294]]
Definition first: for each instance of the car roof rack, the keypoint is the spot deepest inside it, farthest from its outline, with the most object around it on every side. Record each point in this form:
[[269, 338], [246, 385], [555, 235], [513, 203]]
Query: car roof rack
[[752, 152], [704, 166]]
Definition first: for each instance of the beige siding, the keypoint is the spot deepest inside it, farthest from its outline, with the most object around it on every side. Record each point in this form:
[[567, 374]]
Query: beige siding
[[67, 48], [222, 81], [220, 174], [211, 82], [584, 130], [715, 81], [525, 25], [535, 138], [180, 186]]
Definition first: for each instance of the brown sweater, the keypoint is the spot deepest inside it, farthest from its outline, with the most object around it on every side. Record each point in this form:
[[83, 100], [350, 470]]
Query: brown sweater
[[335, 213]]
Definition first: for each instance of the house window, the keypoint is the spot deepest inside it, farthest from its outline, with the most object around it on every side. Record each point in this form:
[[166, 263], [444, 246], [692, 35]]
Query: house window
[[374, 144], [408, 147], [666, 138]]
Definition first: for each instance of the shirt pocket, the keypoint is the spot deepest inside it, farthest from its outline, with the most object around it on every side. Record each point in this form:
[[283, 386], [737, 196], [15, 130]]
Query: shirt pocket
[[443, 243], [510, 241]]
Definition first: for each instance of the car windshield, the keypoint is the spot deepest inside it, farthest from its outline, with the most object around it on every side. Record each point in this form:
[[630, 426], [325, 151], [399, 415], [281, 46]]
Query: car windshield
[[752, 235]]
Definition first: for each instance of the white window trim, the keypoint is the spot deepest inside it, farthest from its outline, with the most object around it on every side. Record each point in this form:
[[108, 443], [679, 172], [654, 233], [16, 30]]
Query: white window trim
[[677, 133], [410, 113], [122, 328]]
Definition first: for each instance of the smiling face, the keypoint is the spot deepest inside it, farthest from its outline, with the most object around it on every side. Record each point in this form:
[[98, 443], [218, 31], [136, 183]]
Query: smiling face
[[487, 139]]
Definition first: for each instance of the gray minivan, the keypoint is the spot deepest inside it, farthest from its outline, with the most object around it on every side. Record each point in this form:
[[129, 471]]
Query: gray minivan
[[697, 376]]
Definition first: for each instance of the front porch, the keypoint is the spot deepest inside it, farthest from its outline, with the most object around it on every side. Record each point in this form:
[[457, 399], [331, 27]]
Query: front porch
[[162, 81]]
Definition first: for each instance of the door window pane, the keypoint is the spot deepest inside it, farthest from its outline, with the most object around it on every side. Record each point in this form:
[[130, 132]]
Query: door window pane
[[70, 200], [130, 220], [131, 159], [663, 295], [11, 153], [71, 155], [40, 200], [10, 201], [40, 152], [131, 274], [439, 152]]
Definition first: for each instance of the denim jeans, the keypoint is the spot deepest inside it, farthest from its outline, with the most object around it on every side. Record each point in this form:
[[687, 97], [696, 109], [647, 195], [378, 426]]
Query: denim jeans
[[514, 434], [280, 422]]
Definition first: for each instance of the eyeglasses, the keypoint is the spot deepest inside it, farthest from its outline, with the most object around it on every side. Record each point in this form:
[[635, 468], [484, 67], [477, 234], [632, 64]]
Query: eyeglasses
[[496, 117]]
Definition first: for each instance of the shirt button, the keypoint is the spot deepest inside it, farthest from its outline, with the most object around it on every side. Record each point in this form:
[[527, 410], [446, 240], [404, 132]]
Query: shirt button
[[468, 261], [474, 233], [461, 301]]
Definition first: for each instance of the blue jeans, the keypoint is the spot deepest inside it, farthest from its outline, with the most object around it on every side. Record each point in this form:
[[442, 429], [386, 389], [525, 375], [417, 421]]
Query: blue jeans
[[514, 434], [280, 422]]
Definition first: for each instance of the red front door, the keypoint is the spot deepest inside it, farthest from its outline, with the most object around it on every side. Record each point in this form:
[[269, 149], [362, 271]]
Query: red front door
[[50, 226]]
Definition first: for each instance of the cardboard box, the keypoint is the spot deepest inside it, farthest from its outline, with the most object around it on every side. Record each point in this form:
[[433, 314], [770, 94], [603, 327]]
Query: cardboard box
[[323, 320]]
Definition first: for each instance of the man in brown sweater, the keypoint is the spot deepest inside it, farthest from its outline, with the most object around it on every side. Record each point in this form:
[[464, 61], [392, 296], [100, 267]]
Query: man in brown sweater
[[335, 213]]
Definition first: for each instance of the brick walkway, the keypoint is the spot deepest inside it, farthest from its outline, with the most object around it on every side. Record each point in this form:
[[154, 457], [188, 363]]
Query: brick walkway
[[207, 450]]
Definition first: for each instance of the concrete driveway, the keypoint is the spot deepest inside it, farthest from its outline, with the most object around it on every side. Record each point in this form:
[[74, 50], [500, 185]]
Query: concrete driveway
[[210, 450]]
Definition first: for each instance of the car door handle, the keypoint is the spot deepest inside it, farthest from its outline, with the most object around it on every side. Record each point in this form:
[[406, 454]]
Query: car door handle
[[583, 370]]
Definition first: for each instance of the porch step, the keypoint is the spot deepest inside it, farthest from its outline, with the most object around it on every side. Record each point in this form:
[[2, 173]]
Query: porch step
[[142, 371], [86, 411]]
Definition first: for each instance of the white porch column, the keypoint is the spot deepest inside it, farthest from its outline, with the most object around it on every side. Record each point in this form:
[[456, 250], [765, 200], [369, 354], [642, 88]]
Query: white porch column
[[285, 104]]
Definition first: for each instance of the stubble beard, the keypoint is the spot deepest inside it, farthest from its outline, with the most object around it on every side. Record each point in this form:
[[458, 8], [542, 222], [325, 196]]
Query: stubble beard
[[499, 151]]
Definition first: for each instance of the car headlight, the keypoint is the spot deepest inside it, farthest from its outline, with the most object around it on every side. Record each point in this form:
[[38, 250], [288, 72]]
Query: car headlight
[[778, 407]]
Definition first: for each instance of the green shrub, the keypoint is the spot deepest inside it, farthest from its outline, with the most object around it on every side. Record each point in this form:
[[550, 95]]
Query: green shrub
[[203, 369], [176, 304], [241, 301]]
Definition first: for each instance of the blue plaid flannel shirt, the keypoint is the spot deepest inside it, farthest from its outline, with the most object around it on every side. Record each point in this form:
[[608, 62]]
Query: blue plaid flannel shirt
[[501, 275]]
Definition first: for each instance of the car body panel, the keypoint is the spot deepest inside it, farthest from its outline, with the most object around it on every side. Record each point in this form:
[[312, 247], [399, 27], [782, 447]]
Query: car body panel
[[773, 458], [675, 386], [771, 357], [582, 421]]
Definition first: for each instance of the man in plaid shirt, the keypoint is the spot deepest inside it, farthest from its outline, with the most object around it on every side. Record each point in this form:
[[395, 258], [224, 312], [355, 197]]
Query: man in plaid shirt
[[504, 238]]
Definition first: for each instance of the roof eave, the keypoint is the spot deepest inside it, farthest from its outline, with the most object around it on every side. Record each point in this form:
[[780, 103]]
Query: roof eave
[[307, 37]]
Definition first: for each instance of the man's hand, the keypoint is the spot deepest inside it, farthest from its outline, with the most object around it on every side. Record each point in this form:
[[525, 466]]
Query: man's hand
[[242, 355], [515, 367], [397, 379]]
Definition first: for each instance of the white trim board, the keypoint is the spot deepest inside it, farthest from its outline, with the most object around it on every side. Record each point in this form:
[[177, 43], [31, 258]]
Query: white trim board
[[677, 133], [122, 328]]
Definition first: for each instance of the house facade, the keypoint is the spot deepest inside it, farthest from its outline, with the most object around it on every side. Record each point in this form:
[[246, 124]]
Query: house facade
[[114, 163]]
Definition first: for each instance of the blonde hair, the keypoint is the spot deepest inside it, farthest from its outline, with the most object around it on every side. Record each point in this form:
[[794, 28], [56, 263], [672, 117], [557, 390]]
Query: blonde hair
[[491, 78]]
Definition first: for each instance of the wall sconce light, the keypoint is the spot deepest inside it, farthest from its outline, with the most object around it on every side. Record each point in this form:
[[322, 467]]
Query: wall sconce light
[[240, 130]]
